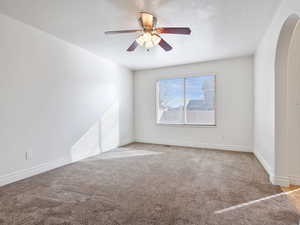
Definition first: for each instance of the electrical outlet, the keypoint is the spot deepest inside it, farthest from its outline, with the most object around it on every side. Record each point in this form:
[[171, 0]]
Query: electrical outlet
[[28, 155]]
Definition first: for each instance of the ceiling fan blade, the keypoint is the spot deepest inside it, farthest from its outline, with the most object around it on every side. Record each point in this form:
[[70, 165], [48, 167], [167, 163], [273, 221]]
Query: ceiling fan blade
[[174, 30], [165, 45], [122, 31], [132, 47]]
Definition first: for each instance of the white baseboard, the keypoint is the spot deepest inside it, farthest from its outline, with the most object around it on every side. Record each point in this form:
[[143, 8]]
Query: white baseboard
[[276, 180], [126, 141], [283, 181], [295, 180], [187, 143], [280, 180], [44, 167], [22, 174], [26, 173], [265, 164]]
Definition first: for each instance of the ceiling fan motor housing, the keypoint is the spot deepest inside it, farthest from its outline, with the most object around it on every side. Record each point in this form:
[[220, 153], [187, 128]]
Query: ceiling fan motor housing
[[147, 21]]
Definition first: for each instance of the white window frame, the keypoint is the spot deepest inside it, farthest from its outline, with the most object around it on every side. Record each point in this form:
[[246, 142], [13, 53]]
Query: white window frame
[[185, 119]]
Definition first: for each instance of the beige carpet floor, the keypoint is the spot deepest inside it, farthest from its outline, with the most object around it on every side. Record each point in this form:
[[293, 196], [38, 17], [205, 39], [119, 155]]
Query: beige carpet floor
[[143, 184]]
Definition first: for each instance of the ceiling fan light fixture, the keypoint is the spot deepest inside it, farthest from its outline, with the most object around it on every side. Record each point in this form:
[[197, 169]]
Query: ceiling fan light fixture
[[148, 40], [150, 36], [156, 39], [149, 44], [147, 36], [140, 40]]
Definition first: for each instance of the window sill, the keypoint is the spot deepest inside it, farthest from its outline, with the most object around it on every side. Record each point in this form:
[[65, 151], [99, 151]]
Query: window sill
[[186, 125]]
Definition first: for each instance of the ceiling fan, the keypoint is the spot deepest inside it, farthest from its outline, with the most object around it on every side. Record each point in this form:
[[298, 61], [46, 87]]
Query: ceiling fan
[[150, 34]]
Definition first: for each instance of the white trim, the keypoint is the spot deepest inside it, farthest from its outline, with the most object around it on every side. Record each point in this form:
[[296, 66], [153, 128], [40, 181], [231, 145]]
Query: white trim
[[276, 180], [238, 148], [265, 164], [42, 168], [295, 180], [126, 141], [25, 173], [283, 181], [280, 180], [185, 124]]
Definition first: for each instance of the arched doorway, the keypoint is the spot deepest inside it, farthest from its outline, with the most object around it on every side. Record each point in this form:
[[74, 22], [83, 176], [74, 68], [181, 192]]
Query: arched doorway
[[287, 102]]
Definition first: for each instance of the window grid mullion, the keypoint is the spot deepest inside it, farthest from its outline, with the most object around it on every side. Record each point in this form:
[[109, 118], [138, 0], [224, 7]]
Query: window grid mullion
[[184, 99]]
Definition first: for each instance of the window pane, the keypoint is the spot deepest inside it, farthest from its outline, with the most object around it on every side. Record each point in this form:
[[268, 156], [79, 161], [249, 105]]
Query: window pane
[[200, 100], [170, 101]]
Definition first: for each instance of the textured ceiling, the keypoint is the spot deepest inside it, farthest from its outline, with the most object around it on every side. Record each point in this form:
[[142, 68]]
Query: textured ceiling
[[220, 28]]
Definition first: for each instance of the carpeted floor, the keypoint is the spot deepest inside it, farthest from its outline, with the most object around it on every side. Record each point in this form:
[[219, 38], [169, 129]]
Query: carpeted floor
[[143, 184]]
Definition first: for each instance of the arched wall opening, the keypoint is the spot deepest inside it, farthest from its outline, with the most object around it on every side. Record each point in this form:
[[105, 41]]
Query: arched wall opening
[[287, 103]]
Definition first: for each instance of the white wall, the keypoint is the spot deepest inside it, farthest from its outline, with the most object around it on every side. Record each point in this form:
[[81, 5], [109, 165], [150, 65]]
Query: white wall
[[234, 106], [293, 109], [57, 101], [265, 125]]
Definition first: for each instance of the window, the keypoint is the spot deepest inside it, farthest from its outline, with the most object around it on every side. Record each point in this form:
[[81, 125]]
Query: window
[[189, 100]]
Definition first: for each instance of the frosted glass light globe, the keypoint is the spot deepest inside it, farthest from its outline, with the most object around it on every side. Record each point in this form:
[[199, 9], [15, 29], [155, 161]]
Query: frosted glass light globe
[[148, 40]]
